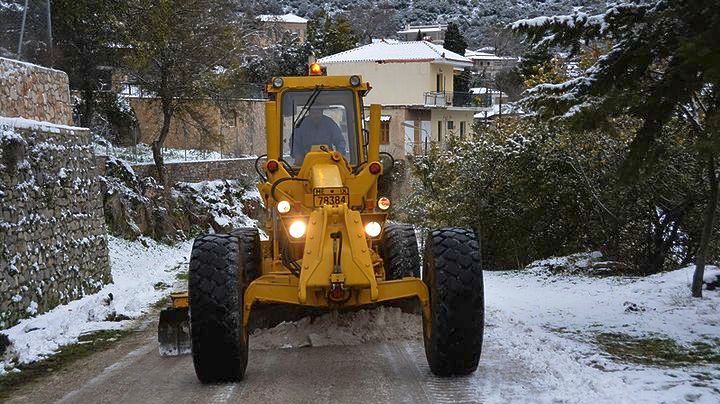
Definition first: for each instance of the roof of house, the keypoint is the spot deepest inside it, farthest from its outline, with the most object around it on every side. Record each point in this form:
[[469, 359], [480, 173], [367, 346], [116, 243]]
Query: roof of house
[[291, 18], [475, 55], [398, 52]]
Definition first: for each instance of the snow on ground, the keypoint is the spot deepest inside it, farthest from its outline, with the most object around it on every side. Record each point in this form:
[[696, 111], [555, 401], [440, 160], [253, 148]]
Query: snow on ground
[[551, 323], [136, 269]]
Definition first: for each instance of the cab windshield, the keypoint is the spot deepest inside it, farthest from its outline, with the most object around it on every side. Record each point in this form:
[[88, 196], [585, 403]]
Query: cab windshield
[[319, 118]]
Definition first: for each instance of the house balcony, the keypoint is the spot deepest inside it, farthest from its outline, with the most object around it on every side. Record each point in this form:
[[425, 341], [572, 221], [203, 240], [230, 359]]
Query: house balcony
[[456, 99]]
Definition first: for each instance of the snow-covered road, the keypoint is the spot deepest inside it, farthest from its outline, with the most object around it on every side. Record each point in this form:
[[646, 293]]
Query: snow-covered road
[[541, 345]]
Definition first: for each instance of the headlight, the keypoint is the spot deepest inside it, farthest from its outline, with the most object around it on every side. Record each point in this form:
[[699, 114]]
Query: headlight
[[283, 206], [278, 82], [297, 229], [354, 81], [373, 229], [384, 203]]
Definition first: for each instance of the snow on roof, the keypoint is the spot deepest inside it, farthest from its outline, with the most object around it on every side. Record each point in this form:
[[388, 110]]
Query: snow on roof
[[476, 55], [425, 30], [507, 109], [291, 18], [398, 52]]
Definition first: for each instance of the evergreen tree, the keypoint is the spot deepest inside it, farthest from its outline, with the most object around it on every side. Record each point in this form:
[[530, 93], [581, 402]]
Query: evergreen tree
[[454, 40], [340, 36], [86, 36], [663, 65], [328, 35], [419, 36]]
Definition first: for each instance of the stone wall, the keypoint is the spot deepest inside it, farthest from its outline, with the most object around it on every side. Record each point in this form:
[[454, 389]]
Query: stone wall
[[196, 171], [236, 129], [52, 231], [34, 92]]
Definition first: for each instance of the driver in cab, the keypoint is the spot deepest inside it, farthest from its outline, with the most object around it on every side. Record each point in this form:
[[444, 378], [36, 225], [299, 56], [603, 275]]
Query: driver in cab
[[317, 129]]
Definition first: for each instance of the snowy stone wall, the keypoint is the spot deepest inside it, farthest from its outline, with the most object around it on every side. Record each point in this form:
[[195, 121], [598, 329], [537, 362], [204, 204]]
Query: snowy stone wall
[[53, 247], [34, 92]]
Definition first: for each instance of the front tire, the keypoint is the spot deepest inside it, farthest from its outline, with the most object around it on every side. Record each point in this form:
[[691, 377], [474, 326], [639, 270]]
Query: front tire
[[216, 289], [453, 275]]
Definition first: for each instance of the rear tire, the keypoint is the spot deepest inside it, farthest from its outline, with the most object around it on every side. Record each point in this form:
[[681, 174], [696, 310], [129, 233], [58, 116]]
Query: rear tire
[[453, 275], [216, 289], [399, 249], [250, 252]]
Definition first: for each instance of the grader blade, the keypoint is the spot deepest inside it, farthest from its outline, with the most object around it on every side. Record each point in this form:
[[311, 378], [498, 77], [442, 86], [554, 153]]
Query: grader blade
[[174, 332], [174, 327]]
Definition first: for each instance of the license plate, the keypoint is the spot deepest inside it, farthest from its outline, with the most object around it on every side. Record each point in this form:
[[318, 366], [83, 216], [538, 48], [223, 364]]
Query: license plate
[[330, 196]]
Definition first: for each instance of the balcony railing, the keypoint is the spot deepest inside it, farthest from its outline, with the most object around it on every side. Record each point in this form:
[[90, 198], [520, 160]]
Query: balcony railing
[[456, 99], [422, 148]]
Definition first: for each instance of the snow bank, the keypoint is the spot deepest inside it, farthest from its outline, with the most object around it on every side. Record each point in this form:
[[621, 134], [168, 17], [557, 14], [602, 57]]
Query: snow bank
[[136, 269], [352, 328]]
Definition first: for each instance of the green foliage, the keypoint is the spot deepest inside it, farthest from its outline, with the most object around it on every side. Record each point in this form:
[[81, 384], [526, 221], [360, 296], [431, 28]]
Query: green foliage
[[454, 40], [663, 63], [533, 190]]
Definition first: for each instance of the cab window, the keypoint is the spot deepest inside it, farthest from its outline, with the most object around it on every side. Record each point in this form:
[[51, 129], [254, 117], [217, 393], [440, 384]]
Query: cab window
[[318, 118]]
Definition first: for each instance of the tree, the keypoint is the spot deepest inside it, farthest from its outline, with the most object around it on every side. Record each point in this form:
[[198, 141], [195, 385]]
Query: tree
[[328, 35], [664, 65], [288, 57], [454, 40], [340, 36], [419, 36], [181, 51], [369, 23], [86, 40]]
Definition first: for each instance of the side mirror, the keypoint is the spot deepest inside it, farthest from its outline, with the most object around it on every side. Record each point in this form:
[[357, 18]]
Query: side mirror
[[388, 163]]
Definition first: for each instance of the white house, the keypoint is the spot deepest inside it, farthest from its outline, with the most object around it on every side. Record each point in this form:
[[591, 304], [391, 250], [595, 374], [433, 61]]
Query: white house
[[432, 33], [413, 81], [275, 25], [488, 65]]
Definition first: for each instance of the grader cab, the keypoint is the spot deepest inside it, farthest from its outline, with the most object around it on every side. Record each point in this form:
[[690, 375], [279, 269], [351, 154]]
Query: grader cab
[[330, 242]]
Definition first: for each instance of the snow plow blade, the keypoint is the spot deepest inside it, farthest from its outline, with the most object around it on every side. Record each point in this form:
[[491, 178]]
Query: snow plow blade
[[174, 328]]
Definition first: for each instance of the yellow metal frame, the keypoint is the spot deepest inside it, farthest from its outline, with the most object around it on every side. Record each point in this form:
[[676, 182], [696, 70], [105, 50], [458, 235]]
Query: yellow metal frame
[[361, 275], [284, 289]]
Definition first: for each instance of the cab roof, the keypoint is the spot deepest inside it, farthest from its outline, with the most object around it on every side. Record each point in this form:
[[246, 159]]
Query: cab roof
[[310, 82]]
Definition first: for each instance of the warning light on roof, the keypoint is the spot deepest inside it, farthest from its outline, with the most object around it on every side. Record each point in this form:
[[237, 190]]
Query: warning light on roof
[[316, 70]]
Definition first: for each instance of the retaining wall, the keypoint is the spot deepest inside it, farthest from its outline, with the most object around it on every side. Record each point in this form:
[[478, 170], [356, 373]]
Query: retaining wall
[[53, 247], [196, 171], [34, 92]]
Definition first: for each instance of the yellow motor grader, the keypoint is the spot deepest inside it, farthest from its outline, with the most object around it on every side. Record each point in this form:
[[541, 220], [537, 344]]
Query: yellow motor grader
[[330, 244]]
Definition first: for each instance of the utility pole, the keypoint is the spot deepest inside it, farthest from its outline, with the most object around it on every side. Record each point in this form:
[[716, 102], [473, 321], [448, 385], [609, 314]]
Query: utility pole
[[22, 31], [50, 33]]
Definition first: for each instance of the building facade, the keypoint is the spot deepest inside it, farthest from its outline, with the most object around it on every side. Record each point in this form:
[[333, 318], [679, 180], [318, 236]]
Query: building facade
[[488, 65], [431, 33], [273, 27], [413, 81]]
